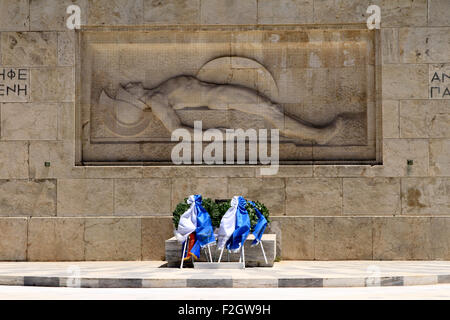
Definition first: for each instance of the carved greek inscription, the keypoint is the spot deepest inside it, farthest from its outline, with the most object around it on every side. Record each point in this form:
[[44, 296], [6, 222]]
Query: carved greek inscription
[[439, 81], [14, 84]]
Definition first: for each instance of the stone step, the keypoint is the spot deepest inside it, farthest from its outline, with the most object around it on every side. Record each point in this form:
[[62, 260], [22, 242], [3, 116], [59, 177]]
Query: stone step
[[253, 254]]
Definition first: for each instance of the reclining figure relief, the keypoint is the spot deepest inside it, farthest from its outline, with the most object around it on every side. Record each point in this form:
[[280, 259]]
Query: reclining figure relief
[[187, 91]]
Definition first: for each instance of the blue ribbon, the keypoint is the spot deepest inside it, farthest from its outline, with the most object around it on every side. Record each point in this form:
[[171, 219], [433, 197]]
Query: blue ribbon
[[204, 232], [260, 226], [242, 228]]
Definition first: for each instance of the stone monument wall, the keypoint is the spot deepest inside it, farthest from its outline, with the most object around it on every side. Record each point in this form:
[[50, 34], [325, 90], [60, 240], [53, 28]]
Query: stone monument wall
[[73, 189]]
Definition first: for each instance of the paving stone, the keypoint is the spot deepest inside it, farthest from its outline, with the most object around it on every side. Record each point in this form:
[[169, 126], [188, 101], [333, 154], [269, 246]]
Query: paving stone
[[391, 281], [300, 283], [41, 281], [120, 283], [208, 283]]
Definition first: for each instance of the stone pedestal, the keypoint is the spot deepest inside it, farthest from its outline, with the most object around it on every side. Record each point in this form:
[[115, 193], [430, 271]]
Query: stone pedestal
[[253, 254]]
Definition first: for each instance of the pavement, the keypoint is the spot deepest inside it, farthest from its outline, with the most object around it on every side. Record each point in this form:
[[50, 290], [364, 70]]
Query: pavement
[[284, 274], [423, 292]]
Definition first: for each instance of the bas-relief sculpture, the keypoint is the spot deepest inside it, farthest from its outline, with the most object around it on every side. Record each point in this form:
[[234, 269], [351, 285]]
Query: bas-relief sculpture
[[318, 93], [183, 92]]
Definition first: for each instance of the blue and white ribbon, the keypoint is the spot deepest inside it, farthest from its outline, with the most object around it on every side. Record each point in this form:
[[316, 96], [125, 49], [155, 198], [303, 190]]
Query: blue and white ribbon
[[260, 226], [188, 221], [196, 219], [235, 225]]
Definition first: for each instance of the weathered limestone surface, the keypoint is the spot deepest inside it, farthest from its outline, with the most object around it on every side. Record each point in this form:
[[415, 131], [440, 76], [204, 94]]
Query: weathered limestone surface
[[13, 160], [120, 12], [373, 196], [55, 239], [402, 238], [440, 157], [440, 240], [112, 239], [66, 48], [228, 12], [14, 15], [425, 196], [29, 49], [59, 154], [337, 238], [343, 11], [389, 45], [214, 188], [285, 11], [141, 197], [424, 119], [155, 231], [295, 237], [80, 197], [405, 81], [397, 152], [391, 120], [51, 14], [53, 84], [437, 13], [27, 197], [313, 196], [13, 239], [272, 190], [172, 11], [29, 121], [402, 12], [424, 45]]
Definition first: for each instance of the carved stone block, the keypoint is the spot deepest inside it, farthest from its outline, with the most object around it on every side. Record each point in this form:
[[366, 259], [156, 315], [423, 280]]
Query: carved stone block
[[316, 86]]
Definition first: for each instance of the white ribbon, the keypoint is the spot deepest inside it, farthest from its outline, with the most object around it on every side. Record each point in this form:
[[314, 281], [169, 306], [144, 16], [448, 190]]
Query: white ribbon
[[188, 221], [227, 224]]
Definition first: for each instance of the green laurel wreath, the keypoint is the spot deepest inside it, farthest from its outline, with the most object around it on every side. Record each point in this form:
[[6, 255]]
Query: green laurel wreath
[[217, 210]]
